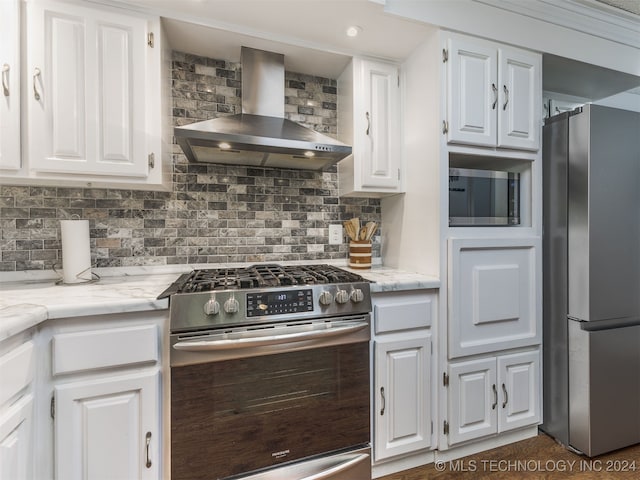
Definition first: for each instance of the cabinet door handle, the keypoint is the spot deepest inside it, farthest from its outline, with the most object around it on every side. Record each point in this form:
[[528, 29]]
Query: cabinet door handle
[[384, 401], [495, 96], [495, 397], [147, 450], [5, 74], [368, 123], [36, 74], [506, 97], [506, 396]]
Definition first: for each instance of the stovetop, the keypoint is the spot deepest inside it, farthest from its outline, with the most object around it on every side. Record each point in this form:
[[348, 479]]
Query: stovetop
[[259, 276], [265, 293]]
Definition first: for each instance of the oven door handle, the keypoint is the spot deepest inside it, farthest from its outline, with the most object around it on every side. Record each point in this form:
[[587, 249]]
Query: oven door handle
[[227, 344], [341, 467]]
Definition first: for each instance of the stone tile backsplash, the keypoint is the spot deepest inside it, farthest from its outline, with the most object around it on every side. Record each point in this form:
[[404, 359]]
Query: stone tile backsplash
[[214, 213]]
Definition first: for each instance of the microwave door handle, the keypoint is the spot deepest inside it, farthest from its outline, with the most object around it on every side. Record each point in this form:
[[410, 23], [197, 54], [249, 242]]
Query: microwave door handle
[[341, 467], [227, 344]]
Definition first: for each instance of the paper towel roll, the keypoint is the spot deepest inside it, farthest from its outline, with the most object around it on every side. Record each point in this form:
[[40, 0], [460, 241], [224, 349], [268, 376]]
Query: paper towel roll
[[76, 252]]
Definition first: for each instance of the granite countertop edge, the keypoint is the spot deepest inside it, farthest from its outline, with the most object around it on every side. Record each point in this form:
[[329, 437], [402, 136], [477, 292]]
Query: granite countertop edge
[[32, 297]]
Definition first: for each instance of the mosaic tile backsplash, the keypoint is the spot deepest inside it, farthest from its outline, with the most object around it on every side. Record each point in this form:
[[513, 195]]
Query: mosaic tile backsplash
[[214, 213]]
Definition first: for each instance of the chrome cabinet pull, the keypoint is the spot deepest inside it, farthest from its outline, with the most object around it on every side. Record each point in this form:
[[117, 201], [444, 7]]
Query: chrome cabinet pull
[[495, 96], [148, 447], [384, 401], [5, 74], [495, 397], [506, 97], [36, 74], [506, 396], [368, 123]]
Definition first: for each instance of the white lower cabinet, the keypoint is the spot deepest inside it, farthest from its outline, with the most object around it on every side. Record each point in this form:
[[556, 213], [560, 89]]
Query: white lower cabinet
[[17, 359], [106, 401], [492, 395], [16, 440], [402, 397], [108, 428], [402, 415]]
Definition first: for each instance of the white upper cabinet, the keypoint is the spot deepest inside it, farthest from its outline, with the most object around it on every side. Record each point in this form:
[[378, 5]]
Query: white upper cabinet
[[369, 120], [494, 94], [86, 101], [90, 107], [10, 89]]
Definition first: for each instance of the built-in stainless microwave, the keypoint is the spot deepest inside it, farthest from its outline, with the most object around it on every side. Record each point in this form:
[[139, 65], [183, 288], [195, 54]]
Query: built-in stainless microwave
[[483, 197]]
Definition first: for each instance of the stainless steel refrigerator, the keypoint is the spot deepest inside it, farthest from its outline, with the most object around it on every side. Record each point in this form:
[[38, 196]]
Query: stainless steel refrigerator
[[591, 279]]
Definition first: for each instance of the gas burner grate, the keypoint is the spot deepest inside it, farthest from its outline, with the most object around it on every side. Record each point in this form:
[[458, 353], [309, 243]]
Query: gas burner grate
[[265, 276]]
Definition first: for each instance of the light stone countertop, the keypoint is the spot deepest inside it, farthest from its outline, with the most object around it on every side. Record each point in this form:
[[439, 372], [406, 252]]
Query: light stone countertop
[[29, 298]]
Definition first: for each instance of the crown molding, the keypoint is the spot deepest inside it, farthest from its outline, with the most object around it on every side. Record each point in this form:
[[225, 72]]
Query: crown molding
[[586, 16]]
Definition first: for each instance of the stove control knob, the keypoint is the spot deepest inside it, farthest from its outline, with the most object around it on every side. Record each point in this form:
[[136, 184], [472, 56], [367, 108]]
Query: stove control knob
[[357, 295], [342, 296], [325, 298], [231, 305], [212, 307]]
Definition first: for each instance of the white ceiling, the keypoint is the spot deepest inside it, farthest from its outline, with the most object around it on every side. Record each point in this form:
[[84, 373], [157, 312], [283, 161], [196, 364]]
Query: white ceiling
[[312, 36], [310, 33]]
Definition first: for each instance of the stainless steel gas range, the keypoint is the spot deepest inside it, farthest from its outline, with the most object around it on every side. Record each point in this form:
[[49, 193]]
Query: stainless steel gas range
[[270, 374]]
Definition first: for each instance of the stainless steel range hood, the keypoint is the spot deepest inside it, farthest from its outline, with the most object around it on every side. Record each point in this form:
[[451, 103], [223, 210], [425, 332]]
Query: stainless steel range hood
[[260, 136]]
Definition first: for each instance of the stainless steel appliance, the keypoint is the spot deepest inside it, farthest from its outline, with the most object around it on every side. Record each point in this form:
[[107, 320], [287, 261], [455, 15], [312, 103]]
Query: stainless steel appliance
[[260, 135], [270, 374], [591, 276], [483, 197]]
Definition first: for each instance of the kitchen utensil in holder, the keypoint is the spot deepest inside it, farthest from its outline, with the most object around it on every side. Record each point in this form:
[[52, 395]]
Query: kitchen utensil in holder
[[360, 254]]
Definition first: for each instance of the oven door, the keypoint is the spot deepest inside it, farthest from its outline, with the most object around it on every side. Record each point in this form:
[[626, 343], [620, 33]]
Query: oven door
[[246, 400]]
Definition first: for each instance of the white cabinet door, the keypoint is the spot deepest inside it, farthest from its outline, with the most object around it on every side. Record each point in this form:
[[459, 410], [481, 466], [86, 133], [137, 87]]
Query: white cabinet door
[[493, 395], [109, 428], [494, 94], [472, 96], [10, 89], [369, 116], [473, 400], [494, 294], [16, 440], [401, 398], [520, 387], [377, 127], [520, 74], [87, 87]]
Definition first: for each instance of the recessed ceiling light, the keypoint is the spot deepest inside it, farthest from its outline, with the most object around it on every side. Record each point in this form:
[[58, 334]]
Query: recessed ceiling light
[[353, 31]]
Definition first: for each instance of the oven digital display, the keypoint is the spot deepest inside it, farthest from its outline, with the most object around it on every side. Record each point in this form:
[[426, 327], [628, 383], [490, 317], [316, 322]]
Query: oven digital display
[[279, 302]]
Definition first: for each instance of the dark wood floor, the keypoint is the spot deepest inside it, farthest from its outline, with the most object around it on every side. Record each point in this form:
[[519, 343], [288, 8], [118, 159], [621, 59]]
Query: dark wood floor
[[536, 458]]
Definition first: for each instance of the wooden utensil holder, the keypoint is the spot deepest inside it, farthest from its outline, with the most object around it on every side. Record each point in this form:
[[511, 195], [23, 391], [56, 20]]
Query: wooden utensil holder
[[360, 254]]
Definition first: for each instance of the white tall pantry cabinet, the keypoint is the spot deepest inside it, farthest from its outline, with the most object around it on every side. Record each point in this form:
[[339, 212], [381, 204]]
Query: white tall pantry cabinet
[[473, 103]]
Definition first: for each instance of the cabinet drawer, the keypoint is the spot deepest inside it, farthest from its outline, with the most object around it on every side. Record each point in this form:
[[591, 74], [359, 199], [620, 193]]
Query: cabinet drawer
[[16, 370], [404, 315], [94, 349]]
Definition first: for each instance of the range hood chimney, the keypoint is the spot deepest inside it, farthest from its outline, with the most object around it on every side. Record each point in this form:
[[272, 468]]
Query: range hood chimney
[[260, 136]]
